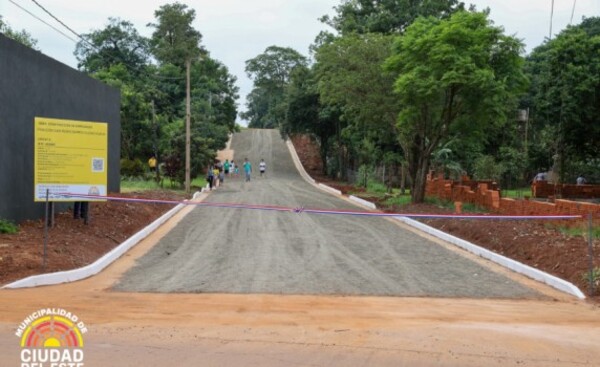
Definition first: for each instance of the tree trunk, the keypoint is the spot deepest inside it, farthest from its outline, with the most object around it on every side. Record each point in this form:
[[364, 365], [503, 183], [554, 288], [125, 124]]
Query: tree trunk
[[402, 178], [419, 179]]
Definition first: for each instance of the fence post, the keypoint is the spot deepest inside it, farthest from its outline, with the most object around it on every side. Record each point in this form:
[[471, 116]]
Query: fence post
[[45, 252], [591, 253]]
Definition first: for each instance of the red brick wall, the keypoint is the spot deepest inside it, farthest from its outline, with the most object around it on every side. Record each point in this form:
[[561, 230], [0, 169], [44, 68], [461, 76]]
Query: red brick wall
[[490, 199], [543, 189]]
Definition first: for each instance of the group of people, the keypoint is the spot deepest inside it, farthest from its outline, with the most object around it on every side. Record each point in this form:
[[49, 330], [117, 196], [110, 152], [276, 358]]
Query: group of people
[[543, 176], [216, 173]]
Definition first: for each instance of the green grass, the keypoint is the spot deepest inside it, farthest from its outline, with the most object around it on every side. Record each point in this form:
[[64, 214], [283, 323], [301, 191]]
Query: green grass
[[595, 276], [582, 232], [398, 200], [472, 208], [517, 193], [7, 226], [446, 204], [129, 185], [376, 187]]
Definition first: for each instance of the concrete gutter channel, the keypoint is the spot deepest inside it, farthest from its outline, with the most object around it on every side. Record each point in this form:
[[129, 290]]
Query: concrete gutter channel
[[117, 252]]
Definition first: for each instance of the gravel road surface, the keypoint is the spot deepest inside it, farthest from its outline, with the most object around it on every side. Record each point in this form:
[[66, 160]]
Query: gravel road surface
[[218, 250]]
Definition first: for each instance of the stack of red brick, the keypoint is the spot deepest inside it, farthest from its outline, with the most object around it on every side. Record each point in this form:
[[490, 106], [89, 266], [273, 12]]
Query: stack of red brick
[[489, 198], [543, 189]]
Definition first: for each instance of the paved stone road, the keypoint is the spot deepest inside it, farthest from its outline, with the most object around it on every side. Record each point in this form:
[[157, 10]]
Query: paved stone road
[[250, 251]]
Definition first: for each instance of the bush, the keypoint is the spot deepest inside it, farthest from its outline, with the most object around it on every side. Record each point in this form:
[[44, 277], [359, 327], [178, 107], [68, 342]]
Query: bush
[[486, 168], [595, 277], [132, 168], [376, 187], [175, 169], [8, 227]]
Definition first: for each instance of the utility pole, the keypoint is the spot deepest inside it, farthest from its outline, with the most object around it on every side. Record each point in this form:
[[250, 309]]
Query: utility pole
[[188, 131], [155, 144]]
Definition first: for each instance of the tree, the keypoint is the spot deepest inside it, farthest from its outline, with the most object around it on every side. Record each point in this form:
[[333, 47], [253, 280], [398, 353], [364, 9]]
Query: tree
[[20, 36], [153, 95], [305, 113], [565, 95], [270, 72], [118, 43], [174, 39], [456, 77], [386, 16], [350, 75]]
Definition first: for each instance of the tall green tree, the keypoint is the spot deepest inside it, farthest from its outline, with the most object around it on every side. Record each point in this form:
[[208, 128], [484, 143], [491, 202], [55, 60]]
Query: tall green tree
[[151, 77], [119, 56], [565, 95], [456, 77], [118, 43], [305, 113], [270, 72], [386, 16], [350, 75], [20, 36], [175, 40]]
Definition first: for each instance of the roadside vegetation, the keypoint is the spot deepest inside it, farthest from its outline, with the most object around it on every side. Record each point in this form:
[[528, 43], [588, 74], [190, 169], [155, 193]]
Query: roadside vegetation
[[406, 87], [129, 184], [403, 86], [8, 227]]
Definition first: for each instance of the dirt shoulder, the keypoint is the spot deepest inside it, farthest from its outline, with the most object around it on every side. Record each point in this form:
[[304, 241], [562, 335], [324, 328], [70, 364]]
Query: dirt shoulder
[[536, 243], [142, 329], [71, 243]]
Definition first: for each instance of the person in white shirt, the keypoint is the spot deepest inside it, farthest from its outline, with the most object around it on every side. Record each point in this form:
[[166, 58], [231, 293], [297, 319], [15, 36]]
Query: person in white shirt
[[262, 167]]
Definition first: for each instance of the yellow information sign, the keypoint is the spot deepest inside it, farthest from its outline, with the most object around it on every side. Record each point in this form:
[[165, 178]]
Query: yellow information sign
[[70, 157]]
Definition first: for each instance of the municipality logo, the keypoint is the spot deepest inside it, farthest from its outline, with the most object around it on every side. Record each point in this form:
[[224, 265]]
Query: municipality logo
[[51, 337]]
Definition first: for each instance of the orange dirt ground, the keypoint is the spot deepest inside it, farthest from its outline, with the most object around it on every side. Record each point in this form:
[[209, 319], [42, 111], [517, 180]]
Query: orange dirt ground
[[536, 243], [138, 329]]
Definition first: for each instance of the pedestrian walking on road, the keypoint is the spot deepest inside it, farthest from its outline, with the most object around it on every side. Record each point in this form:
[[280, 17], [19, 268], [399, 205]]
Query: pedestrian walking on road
[[262, 166], [247, 169], [215, 176], [210, 177], [232, 167], [227, 167]]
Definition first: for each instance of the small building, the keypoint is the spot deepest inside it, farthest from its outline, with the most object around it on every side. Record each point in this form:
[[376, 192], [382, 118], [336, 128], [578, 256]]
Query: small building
[[34, 85]]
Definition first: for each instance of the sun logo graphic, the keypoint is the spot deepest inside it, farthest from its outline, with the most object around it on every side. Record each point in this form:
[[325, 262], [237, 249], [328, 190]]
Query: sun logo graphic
[[51, 337]]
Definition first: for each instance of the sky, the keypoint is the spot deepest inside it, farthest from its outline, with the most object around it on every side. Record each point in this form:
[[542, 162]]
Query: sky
[[237, 30]]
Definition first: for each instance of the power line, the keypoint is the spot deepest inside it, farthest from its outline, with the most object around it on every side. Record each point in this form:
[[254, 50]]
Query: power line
[[111, 58], [573, 11], [41, 20], [58, 20]]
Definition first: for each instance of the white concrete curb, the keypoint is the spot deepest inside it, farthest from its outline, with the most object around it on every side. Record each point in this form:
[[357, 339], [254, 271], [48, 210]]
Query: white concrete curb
[[363, 202], [511, 264], [101, 263], [297, 162], [330, 189], [303, 172]]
